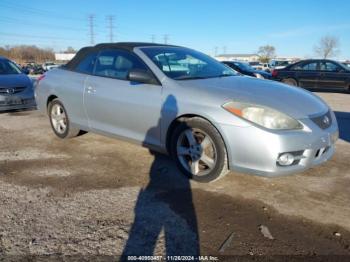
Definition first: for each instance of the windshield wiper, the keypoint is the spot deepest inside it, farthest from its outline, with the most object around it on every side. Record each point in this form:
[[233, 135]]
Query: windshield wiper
[[191, 77], [223, 75]]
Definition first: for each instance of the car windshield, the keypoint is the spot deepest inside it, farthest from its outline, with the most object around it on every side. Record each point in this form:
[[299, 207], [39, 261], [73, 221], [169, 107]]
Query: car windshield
[[184, 64], [8, 68]]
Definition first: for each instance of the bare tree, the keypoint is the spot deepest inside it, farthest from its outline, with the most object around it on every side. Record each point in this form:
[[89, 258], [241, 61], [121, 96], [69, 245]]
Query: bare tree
[[327, 47], [23, 53], [266, 52]]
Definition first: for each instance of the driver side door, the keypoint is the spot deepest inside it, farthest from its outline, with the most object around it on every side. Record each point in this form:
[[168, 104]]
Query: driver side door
[[116, 106], [331, 76]]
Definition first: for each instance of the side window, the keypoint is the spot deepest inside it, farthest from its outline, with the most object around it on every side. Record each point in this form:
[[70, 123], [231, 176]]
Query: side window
[[328, 66], [310, 66], [117, 64], [305, 66], [87, 64]]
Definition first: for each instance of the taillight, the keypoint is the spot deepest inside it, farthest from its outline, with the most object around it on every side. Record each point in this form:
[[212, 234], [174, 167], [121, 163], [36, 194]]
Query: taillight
[[274, 73], [40, 78]]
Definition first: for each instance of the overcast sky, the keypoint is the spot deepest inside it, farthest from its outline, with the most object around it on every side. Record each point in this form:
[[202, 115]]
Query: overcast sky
[[293, 27]]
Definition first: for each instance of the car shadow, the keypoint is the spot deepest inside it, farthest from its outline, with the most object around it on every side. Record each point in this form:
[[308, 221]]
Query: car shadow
[[164, 207], [328, 90], [18, 112], [343, 119]]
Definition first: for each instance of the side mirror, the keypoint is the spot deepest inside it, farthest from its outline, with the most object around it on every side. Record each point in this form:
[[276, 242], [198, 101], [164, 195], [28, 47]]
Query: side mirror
[[25, 71], [141, 76]]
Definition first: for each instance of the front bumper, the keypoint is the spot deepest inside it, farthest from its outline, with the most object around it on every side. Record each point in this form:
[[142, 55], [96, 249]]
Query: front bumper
[[255, 150], [19, 101]]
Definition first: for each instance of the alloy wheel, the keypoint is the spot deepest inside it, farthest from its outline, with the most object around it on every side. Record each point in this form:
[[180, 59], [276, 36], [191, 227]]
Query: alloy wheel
[[59, 118], [196, 151]]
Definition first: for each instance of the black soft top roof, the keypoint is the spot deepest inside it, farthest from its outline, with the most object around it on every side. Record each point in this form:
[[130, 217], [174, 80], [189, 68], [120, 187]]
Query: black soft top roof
[[121, 45]]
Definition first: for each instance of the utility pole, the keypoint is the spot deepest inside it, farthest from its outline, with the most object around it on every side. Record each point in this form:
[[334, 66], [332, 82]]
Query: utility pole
[[216, 51], [91, 26], [110, 19], [224, 49], [166, 38], [153, 38]]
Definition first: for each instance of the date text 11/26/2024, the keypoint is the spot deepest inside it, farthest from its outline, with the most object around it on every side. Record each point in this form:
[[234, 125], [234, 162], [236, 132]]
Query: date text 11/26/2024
[[172, 258]]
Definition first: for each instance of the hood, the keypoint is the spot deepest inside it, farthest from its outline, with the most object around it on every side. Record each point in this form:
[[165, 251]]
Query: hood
[[293, 101], [15, 80]]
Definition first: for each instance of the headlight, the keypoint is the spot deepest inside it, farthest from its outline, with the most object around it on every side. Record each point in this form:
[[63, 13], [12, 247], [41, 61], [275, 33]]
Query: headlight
[[259, 76], [263, 116]]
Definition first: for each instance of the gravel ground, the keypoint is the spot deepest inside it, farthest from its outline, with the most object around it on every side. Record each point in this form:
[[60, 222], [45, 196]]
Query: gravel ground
[[94, 196]]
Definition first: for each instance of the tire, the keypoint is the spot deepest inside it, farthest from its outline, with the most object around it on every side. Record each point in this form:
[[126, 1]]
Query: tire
[[205, 158], [290, 81], [59, 120]]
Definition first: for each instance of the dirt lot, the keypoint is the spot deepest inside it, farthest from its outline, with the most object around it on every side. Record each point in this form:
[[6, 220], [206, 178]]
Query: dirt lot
[[97, 196]]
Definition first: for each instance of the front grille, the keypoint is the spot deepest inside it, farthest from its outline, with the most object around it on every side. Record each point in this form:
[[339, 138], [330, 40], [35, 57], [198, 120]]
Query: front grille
[[323, 121], [11, 90]]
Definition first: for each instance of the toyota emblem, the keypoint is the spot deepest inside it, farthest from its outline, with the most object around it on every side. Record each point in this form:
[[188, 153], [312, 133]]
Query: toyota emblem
[[10, 91], [326, 120]]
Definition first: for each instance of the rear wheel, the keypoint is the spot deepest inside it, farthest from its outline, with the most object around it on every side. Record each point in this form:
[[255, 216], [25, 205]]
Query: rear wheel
[[290, 81], [60, 121], [199, 150]]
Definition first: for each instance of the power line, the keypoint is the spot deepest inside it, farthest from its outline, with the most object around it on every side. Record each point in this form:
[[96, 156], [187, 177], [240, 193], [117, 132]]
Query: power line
[[39, 36], [91, 26], [111, 27], [15, 21], [42, 12]]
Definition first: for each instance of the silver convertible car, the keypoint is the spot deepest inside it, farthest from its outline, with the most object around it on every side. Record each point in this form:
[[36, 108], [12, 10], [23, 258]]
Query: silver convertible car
[[179, 101]]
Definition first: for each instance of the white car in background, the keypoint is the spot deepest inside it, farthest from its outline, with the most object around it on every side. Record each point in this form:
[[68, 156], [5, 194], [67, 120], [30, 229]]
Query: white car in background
[[278, 64], [49, 65], [274, 64]]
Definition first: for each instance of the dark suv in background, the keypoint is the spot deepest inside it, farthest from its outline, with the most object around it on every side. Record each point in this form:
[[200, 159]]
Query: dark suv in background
[[321, 73]]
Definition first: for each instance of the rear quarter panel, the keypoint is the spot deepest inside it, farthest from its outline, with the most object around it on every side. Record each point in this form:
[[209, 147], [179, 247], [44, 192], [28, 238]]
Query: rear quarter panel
[[68, 87]]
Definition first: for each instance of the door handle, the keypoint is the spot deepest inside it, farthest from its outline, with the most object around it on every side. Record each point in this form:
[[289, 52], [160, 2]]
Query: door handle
[[91, 90]]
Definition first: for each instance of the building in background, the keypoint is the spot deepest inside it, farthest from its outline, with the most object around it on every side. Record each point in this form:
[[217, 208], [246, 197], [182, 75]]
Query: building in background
[[238, 57], [62, 57]]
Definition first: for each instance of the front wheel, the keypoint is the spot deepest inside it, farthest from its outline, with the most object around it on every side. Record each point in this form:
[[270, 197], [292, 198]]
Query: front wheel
[[59, 120], [199, 150]]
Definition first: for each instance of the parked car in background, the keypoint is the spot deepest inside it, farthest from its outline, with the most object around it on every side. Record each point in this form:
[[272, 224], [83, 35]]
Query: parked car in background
[[33, 69], [273, 64], [246, 69], [315, 73], [202, 113], [16, 88], [347, 64], [278, 64], [49, 65], [265, 67], [254, 63]]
